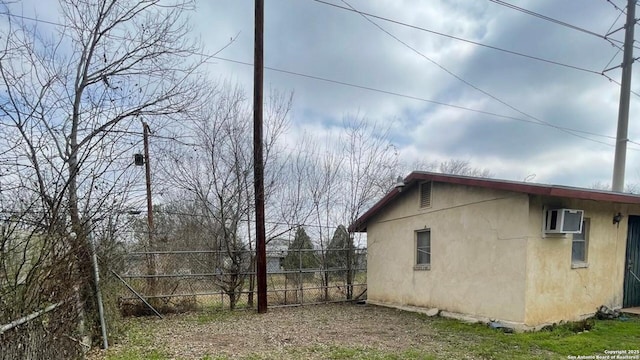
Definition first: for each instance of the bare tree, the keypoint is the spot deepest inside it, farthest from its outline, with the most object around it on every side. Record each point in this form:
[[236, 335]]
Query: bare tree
[[69, 99], [335, 181], [217, 171], [463, 167], [631, 188]]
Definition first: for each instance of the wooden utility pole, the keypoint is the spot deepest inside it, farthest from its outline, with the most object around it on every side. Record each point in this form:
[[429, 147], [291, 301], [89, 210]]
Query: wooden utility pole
[[619, 162], [258, 162], [151, 260]]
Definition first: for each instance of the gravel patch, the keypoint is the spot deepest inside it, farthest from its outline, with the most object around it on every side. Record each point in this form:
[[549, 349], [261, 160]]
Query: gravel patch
[[282, 332]]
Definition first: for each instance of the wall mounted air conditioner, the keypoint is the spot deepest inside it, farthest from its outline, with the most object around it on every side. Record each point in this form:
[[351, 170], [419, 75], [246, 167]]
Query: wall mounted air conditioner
[[563, 221]]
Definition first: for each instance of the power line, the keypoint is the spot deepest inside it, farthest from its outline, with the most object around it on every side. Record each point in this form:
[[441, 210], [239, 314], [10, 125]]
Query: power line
[[459, 78], [616, 7], [618, 83], [562, 23], [547, 18], [621, 12], [494, 47], [570, 131], [532, 57], [36, 20], [411, 97], [393, 93], [154, 135], [619, 49]]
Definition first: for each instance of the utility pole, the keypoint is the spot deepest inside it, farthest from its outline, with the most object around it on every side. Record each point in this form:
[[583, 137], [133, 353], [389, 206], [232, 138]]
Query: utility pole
[[258, 162], [620, 158], [151, 261]]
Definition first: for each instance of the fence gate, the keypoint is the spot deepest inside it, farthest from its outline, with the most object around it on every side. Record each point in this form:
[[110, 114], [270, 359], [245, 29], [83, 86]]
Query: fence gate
[[174, 281]]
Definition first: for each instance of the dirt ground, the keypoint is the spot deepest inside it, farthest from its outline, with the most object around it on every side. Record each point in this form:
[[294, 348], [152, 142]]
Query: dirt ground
[[349, 331], [282, 331]]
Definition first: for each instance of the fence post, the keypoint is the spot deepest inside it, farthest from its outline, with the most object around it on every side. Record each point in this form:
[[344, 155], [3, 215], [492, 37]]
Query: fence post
[[350, 268], [96, 279], [325, 273], [300, 276]]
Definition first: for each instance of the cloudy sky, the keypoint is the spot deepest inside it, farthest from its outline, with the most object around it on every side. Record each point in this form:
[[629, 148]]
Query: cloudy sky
[[312, 38], [443, 98]]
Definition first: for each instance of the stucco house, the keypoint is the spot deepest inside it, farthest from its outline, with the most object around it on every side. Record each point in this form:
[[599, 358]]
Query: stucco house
[[520, 253]]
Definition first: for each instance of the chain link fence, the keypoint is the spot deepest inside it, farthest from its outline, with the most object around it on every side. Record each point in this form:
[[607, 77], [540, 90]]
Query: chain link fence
[[42, 302], [44, 334], [175, 281]]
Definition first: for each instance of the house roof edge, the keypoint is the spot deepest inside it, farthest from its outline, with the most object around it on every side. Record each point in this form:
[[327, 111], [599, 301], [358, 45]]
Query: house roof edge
[[360, 225]]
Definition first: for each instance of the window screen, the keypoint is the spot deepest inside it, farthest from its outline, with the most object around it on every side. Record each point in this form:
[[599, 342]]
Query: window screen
[[423, 247], [580, 243]]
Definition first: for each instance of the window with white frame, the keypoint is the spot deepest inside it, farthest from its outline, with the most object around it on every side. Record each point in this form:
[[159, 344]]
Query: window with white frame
[[423, 249], [580, 244]]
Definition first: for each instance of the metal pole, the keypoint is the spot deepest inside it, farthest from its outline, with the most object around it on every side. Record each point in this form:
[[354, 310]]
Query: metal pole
[[151, 261], [29, 317], [96, 279], [625, 91], [258, 166], [350, 267], [137, 294]]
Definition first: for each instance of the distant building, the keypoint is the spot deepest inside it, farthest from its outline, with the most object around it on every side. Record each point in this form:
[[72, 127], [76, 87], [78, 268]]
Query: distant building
[[277, 250]]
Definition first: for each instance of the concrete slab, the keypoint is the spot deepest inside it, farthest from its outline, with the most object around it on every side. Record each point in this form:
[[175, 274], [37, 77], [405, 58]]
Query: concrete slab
[[633, 310]]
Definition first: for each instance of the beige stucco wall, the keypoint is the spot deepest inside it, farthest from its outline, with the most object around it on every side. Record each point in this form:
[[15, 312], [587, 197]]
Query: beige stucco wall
[[556, 291], [478, 244]]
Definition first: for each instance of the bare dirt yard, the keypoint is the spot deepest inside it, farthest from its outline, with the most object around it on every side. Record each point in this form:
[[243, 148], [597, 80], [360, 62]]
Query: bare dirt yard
[[340, 331]]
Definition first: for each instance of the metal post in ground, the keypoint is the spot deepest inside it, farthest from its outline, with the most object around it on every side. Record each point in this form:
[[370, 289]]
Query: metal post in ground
[[96, 279]]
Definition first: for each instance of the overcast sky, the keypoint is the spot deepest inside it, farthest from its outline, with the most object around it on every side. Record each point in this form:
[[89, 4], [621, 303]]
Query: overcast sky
[[311, 38], [533, 98]]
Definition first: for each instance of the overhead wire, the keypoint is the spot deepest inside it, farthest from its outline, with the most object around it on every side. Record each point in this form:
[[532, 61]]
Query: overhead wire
[[610, 61], [411, 97], [613, 42], [621, 12], [619, 49], [492, 47], [532, 57], [393, 93], [547, 18], [153, 135], [466, 82], [616, 7]]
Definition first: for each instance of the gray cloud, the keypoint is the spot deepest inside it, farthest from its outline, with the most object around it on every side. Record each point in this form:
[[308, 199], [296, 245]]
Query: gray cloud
[[311, 38], [307, 37]]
